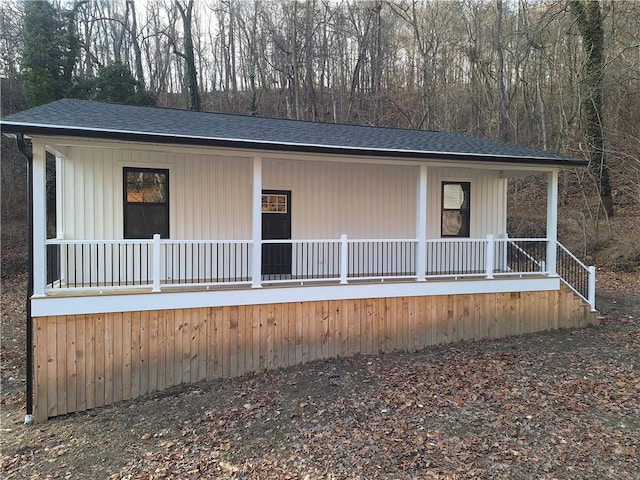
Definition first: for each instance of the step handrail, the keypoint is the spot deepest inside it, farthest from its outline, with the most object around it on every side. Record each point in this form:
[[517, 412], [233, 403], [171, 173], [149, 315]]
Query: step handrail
[[588, 294]]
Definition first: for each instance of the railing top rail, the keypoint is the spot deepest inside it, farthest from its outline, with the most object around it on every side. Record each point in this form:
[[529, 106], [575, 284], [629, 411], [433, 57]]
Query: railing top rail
[[170, 241], [57, 241], [302, 240], [390, 240], [575, 259], [509, 239]]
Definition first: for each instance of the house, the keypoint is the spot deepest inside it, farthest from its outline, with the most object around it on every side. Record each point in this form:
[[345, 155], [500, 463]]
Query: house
[[187, 245]]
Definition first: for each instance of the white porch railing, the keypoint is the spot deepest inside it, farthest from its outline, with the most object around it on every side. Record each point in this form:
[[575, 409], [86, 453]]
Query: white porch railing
[[577, 276], [164, 263]]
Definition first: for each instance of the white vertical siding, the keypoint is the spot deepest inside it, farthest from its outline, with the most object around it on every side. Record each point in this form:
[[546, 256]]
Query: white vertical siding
[[488, 200], [209, 197], [363, 201]]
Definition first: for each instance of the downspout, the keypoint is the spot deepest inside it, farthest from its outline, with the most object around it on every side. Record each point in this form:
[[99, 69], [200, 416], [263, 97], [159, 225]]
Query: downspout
[[28, 419]]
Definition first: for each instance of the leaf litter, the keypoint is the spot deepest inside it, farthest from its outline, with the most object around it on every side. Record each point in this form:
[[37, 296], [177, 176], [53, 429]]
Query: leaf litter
[[550, 405]]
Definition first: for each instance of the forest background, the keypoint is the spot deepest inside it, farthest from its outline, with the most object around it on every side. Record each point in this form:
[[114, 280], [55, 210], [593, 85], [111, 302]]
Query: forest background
[[562, 75]]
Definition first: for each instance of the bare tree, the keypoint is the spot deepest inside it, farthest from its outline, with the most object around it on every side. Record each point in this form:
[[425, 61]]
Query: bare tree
[[591, 26], [186, 13]]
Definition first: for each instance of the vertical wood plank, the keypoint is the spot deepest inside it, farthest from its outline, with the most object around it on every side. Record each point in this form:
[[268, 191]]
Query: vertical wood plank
[[299, 335], [445, 314], [178, 351], [332, 327], [242, 339], [311, 325], [218, 320], [256, 335], [291, 333], [288, 332], [117, 359], [482, 321], [398, 325], [41, 370], [126, 355], [152, 356], [194, 360], [61, 363], [81, 376], [99, 334], [90, 360], [352, 329], [108, 358], [375, 326], [343, 346], [211, 344], [185, 358], [553, 309], [233, 341], [469, 314], [248, 342], [72, 372], [170, 348], [226, 342], [203, 343], [387, 317], [277, 335], [264, 337], [144, 352], [367, 330], [409, 328], [324, 328], [161, 350]]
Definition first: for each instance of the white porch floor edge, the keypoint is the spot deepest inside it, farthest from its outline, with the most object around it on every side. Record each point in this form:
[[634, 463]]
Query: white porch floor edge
[[130, 302]]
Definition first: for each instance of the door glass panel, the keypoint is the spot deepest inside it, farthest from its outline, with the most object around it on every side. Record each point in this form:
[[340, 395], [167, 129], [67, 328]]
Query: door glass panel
[[274, 203]]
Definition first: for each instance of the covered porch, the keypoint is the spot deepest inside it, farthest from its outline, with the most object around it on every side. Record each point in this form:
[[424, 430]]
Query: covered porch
[[402, 200]]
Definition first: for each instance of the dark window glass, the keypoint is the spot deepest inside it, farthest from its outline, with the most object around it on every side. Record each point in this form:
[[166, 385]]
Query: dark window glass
[[146, 202], [455, 209]]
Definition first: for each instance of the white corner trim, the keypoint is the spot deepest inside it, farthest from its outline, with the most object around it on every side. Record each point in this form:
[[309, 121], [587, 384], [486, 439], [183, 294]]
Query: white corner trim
[[130, 302]]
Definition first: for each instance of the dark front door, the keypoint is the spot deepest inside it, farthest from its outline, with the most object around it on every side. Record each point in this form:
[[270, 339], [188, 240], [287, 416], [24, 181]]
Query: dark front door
[[276, 225]]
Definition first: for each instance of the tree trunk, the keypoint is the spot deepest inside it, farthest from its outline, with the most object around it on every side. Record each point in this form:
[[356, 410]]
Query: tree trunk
[[591, 26], [504, 114], [136, 44], [189, 56]]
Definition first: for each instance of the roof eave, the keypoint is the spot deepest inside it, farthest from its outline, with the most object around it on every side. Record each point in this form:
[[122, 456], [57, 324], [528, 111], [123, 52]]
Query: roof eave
[[48, 130]]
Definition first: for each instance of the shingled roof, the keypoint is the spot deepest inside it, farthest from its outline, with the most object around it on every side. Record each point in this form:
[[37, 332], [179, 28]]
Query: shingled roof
[[90, 119]]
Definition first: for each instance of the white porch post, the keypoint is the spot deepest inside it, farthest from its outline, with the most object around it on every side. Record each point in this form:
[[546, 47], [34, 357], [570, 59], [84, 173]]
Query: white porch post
[[156, 262], [344, 259], [256, 228], [552, 221], [591, 296], [490, 260], [39, 219], [421, 223]]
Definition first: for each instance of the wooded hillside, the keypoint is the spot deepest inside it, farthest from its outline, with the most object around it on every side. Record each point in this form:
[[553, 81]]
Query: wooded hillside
[[562, 75]]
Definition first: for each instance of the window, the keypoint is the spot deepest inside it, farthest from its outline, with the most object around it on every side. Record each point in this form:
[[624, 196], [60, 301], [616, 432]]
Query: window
[[146, 202], [274, 203], [455, 209]]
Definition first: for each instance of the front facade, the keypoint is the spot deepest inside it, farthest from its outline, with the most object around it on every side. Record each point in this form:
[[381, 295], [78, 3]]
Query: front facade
[[175, 257]]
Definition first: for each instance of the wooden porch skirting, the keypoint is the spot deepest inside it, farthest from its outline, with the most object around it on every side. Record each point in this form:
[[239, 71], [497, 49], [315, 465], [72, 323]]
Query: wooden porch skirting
[[86, 361]]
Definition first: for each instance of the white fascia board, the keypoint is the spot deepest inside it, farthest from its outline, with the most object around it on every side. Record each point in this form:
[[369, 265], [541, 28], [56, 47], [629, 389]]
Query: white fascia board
[[50, 306]]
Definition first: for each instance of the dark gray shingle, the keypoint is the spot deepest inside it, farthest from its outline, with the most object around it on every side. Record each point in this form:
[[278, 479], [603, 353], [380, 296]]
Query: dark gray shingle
[[105, 120]]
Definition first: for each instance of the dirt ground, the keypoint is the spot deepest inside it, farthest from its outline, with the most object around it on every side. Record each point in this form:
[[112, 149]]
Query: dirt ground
[[552, 405]]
